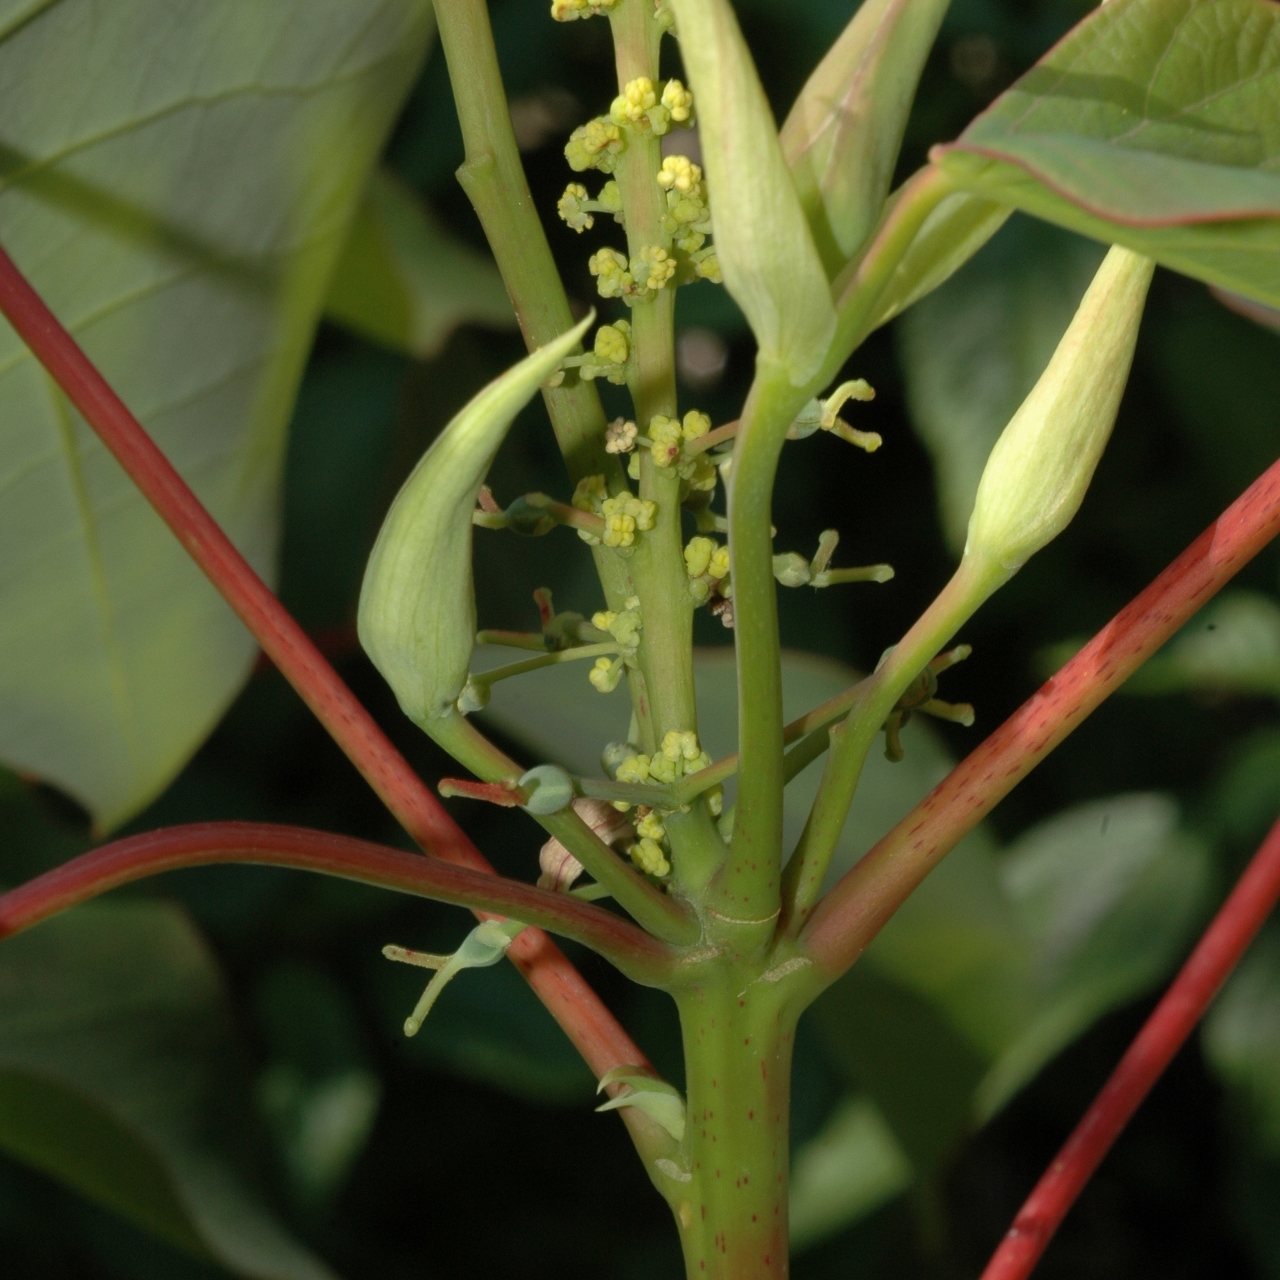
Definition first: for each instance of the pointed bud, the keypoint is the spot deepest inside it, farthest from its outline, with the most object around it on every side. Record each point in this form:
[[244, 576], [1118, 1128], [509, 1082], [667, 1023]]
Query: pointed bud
[[1041, 466], [417, 617], [844, 133], [763, 244]]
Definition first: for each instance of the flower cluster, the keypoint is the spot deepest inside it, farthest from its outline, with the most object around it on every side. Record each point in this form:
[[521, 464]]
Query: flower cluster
[[664, 441], [623, 627], [576, 208], [620, 436], [625, 515], [706, 558], [679, 756], [688, 218], [594, 145], [568, 10], [639, 106]]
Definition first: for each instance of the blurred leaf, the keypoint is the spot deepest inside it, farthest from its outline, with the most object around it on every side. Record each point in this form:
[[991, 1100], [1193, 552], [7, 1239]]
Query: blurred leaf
[[179, 178], [1107, 894], [1242, 1037], [972, 350], [317, 1093], [1231, 647], [852, 1167], [1154, 124], [1246, 798], [117, 1077], [405, 282]]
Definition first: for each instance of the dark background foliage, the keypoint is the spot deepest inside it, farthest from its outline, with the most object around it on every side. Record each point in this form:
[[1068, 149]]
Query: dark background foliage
[[485, 1157]]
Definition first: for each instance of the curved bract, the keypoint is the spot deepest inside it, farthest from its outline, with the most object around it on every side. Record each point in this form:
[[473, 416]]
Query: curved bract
[[417, 619]]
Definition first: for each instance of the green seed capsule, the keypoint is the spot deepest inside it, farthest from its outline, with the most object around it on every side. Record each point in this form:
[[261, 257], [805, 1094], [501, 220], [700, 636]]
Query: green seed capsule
[[552, 789], [417, 618]]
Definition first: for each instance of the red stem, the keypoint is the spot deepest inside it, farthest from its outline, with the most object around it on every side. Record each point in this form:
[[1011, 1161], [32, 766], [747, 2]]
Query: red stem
[[268, 844], [594, 1031], [1164, 1033], [857, 908]]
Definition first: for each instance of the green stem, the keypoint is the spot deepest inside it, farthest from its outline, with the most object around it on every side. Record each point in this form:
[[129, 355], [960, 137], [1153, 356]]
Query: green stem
[[850, 743], [748, 887], [665, 655], [494, 180], [732, 1211], [662, 915], [576, 654]]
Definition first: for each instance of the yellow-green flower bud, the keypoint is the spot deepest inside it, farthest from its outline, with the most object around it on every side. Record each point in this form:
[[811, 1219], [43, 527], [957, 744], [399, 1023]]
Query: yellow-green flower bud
[[610, 199], [637, 97], [665, 434], [635, 768], [605, 675], [1041, 466], [680, 744], [719, 566], [594, 145], [648, 856], [590, 493], [611, 344], [697, 556], [680, 174], [678, 101], [652, 268], [663, 770], [696, 424], [610, 269], [650, 827], [570, 208]]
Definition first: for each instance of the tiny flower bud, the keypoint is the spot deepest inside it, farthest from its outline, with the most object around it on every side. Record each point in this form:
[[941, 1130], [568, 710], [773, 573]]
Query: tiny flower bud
[[611, 344], [620, 436], [648, 856], [635, 768], [570, 208], [679, 173], [652, 268], [697, 556], [677, 100]]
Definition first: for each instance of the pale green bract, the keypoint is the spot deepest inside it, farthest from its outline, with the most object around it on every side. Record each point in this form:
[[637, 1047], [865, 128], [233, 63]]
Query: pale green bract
[[177, 178], [1040, 468], [843, 134], [1154, 124], [417, 618], [763, 242]]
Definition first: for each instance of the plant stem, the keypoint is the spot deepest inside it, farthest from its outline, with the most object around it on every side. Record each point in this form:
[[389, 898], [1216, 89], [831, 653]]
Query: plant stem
[[732, 1212], [661, 914], [1163, 1034], [266, 844], [494, 180], [578, 1010], [748, 887], [855, 910], [955, 603]]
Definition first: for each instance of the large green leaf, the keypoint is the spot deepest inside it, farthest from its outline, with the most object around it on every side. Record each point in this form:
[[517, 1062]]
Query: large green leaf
[[1154, 124], [117, 1073], [405, 282], [972, 350], [176, 178]]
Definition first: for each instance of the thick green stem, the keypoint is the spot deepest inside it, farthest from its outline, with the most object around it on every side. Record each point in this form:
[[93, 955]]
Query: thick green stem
[[732, 1213], [850, 742], [748, 887]]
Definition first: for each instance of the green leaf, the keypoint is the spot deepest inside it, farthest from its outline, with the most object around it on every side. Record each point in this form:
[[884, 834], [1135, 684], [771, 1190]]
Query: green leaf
[[1154, 124], [417, 618], [178, 180], [1242, 1037], [853, 1166], [763, 242], [117, 1074], [973, 350], [842, 136], [405, 282], [1106, 893]]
